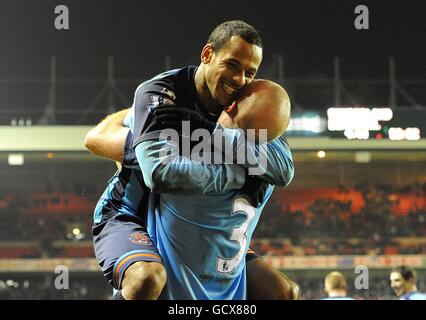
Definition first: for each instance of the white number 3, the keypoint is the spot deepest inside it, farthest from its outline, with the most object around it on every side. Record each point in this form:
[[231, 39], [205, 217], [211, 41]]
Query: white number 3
[[238, 235]]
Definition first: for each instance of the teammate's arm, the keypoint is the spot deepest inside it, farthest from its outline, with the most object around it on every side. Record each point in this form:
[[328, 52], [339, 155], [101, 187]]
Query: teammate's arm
[[111, 140], [164, 170], [108, 138], [273, 160]]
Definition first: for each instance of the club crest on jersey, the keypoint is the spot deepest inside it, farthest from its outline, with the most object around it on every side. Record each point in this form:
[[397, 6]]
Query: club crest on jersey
[[140, 238], [169, 93], [158, 101]]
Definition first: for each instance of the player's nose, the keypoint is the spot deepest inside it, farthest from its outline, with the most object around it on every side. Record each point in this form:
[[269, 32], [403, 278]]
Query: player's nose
[[239, 79]]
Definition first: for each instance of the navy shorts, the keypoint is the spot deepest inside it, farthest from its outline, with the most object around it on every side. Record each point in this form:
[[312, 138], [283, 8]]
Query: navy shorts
[[119, 242]]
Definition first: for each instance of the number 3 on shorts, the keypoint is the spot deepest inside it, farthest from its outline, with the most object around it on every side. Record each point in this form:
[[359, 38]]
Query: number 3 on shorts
[[238, 235]]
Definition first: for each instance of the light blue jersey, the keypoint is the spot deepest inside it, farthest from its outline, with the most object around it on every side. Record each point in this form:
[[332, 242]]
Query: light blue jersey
[[200, 222], [202, 239], [415, 295]]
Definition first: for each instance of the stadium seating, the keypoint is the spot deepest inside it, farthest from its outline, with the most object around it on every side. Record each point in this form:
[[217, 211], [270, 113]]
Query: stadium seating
[[362, 220]]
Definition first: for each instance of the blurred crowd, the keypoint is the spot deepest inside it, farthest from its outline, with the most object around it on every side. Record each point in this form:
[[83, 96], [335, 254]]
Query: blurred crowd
[[42, 287], [33, 224], [328, 226], [322, 226]]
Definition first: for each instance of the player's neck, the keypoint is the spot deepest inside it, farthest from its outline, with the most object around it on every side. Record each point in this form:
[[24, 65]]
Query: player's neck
[[203, 93], [411, 289]]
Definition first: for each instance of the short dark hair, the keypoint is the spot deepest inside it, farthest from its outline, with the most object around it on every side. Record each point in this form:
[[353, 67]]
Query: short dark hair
[[406, 272], [223, 32]]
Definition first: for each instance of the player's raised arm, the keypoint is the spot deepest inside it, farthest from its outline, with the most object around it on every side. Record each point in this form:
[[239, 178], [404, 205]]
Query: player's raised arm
[[163, 168], [263, 107], [108, 138]]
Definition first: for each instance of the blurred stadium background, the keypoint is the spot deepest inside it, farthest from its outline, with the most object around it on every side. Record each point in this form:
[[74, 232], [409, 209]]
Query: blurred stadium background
[[359, 193], [358, 197]]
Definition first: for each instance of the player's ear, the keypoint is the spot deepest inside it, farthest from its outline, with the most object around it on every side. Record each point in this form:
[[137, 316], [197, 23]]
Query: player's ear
[[232, 109], [207, 53], [226, 118]]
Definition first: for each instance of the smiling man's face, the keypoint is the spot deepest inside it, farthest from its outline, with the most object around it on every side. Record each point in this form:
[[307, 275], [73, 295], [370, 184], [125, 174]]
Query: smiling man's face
[[231, 68], [399, 285]]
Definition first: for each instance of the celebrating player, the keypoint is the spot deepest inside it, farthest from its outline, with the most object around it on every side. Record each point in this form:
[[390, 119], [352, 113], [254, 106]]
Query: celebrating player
[[209, 273]]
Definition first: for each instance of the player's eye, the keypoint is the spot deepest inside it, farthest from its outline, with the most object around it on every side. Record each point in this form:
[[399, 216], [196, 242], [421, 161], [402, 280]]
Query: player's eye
[[231, 65], [249, 74]]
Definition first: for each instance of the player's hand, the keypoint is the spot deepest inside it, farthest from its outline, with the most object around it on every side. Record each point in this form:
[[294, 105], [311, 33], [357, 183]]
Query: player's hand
[[171, 116], [255, 189]]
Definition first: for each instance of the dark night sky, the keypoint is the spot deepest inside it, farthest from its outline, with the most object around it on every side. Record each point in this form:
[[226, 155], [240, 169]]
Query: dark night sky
[[308, 34], [140, 33]]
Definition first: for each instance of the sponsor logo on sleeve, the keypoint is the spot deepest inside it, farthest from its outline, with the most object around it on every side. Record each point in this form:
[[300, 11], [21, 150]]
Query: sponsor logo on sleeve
[[140, 238], [158, 101], [169, 93]]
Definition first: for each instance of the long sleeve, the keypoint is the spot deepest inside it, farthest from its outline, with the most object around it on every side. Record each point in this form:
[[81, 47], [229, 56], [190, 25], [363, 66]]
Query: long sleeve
[[272, 161], [164, 170]]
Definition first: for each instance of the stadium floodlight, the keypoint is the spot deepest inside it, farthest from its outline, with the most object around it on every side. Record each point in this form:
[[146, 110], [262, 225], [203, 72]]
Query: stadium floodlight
[[321, 154], [404, 134], [15, 159]]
